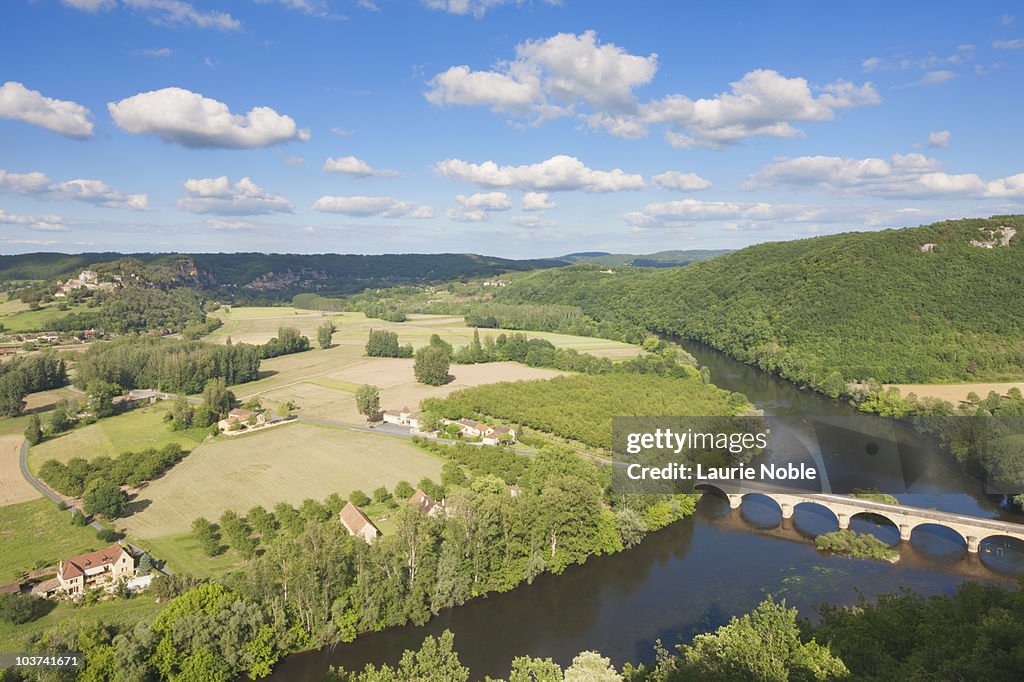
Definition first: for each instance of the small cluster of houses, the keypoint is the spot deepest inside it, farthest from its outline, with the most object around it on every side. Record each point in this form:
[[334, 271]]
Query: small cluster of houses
[[468, 428], [101, 569], [87, 279], [359, 525]]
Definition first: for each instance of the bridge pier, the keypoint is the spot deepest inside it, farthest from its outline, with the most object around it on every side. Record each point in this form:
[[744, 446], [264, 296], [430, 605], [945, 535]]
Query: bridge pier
[[787, 510], [972, 544], [844, 521], [735, 501], [905, 531]]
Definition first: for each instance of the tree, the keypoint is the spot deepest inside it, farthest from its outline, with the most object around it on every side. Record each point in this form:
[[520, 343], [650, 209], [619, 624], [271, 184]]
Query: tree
[[403, 491], [630, 526], [209, 538], [106, 498], [368, 402], [217, 397], [381, 495], [431, 367], [325, 333], [34, 431], [13, 389], [101, 398], [436, 661], [145, 565], [358, 498], [437, 342], [764, 645], [591, 666], [63, 416], [526, 669]]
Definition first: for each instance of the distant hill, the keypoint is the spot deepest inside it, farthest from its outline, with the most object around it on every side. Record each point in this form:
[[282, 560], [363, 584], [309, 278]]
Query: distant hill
[[268, 275], [661, 259], [942, 302]]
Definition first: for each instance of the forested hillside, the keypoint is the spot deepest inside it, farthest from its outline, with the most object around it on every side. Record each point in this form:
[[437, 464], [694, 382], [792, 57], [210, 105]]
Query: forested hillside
[[936, 303]]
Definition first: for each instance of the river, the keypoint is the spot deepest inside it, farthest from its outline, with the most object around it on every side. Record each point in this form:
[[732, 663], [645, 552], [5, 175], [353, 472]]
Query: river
[[694, 575]]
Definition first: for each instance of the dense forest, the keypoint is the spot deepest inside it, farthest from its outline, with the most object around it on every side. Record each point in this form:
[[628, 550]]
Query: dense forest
[[926, 304]]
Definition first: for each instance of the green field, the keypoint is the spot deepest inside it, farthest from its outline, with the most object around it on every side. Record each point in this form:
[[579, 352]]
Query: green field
[[23, 320], [36, 534], [282, 464], [132, 431], [183, 554]]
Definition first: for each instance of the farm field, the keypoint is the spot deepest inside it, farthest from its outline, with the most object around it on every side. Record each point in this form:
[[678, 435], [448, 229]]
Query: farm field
[[284, 464], [259, 324], [132, 431], [36, 534], [955, 393], [23, 320], [330, 397], [13, 487]]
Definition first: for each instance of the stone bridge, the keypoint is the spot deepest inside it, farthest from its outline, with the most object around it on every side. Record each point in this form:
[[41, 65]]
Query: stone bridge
[[973, 530]]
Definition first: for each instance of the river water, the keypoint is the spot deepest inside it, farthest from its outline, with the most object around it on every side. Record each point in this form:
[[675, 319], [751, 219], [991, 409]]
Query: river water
[[694, 575]]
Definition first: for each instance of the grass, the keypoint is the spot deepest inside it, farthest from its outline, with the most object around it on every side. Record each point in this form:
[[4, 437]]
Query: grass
[[132, 431], [117, 612], [336, 384], [36, 534], [184, 555], [36, 320], [283, 464]]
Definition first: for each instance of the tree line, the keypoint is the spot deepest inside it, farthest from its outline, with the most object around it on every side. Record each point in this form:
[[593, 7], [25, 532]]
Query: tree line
[[23, 375]]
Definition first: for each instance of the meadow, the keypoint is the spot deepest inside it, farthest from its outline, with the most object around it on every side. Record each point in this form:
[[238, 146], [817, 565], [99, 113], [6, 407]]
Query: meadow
[[36, 534], [284, 464]]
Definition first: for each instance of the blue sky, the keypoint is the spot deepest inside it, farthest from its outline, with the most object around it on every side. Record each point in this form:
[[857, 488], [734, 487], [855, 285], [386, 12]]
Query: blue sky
[[517, 129]]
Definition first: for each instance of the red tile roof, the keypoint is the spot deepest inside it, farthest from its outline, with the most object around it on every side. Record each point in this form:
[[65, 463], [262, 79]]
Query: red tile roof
[[353, 518], [77, 565]]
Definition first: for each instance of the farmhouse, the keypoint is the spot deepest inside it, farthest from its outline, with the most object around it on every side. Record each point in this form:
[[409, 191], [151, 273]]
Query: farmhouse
[[488, 435], [138, 398], [404, 417], [95, 569], [423, 502], [242, 417], [499, 434], [358, 524]]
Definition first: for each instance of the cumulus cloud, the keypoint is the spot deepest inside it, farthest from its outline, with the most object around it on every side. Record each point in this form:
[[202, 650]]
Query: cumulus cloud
[[67, 118], [671, 214], [357, 168], [218, 196], [1015, 44], [363, 206], [476, 207], [475, 7], [904, 175], [94, 192], [40, 223], [191, 120], [576, 75], [537, 201], [682, 182], [939, 139], [559, 173], [171, 12]]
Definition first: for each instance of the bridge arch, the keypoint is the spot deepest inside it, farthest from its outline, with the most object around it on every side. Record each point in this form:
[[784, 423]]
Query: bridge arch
[[944, 530]]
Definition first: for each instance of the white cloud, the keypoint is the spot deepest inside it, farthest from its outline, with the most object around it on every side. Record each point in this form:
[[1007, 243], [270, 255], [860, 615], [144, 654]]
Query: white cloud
[[906, 175], [939, 139], [179, 12], [1015, 44], [532, 221], [465, 215], [91, 5], [475, 7], [350, 165], [559, 173], [155, 52], [293, 160], [682, 182], [191, 120], [67, 118], [229, 225], [41, 223], [931, 61], [218, 196], [575, 75], [673, 214], [933, 78], [488, 201], [30, 242], [762, 103], [341, 132], [537, 201], [382, 207], [87, 191]]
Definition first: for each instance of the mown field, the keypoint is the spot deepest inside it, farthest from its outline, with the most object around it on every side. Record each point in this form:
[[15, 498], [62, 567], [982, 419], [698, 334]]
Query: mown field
[[13, 486], [283, 464], [36, 534], [16, 317], [132, 431]]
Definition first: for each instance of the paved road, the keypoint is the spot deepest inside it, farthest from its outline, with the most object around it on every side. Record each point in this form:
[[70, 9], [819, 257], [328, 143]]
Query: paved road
[[41, 487]]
